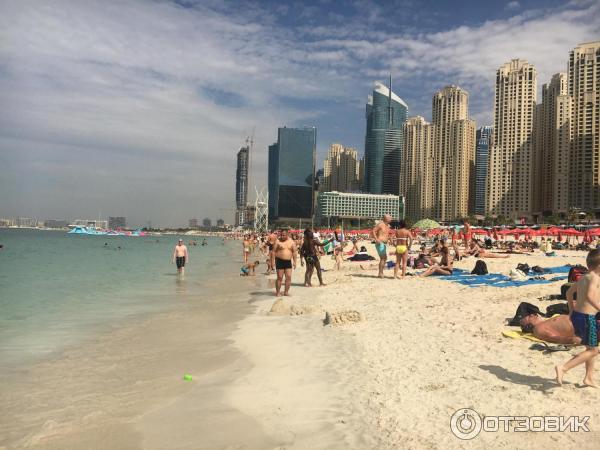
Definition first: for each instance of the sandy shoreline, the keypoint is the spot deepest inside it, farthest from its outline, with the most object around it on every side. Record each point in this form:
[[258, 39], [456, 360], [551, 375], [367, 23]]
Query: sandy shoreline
[[424, 349]]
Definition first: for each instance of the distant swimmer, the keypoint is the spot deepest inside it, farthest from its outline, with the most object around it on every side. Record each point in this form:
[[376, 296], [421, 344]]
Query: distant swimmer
[[180, 256], [204, 242]]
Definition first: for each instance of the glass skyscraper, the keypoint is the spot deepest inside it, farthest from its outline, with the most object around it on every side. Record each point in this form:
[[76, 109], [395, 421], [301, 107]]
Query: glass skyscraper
[[386, 114], [483, 139], [291, 173], [241, 185]]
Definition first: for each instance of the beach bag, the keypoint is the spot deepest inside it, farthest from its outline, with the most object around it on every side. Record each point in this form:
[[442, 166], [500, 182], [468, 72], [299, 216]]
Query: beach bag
[[557, 308], [538, 269], [517, 275], [524, 309], [523, 268], [480, 268], [576, 273]]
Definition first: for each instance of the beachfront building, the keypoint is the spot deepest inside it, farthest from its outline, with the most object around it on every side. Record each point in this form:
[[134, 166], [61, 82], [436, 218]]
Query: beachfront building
[[483, 138], [385, 114], [453, 155], [511, 157], [352, 208], [416, 181], [584, 158], [206, 222], [193, 224], [241, 185], [117, 222], [54, 223], [341, 169], [552, 140], [291, 174]]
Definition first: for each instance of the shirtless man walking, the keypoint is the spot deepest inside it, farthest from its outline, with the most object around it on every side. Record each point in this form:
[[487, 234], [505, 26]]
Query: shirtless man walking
[[283, 258], [380, 234], [180, 256]]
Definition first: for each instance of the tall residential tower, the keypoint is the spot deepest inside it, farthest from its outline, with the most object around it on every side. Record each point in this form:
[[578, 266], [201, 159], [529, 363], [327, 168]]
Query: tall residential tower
[[511, 158], [241, 185], [341, 169], [386, 114]]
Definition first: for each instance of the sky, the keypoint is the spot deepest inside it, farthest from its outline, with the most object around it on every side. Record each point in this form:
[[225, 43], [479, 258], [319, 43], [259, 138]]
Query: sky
[[137, 108]]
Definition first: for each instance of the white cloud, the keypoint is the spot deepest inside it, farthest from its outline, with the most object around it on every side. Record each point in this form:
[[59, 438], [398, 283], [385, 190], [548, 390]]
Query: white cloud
[[513, 5]]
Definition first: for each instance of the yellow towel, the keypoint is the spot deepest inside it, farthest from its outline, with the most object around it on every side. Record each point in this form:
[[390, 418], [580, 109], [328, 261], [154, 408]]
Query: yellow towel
[[521, 335]]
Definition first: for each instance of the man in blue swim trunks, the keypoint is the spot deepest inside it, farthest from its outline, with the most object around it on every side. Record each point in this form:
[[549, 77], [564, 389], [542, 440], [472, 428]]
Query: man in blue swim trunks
[[248, 269], [583, 316], [381, 234]]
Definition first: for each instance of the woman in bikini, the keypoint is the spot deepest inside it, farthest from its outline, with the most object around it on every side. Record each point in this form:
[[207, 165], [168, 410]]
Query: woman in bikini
[[403, 242], [308, 251], [443, 268]]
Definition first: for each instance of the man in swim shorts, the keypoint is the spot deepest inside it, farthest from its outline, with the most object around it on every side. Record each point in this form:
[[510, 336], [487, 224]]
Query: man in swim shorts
[[283, 258], [583, 317], [558, 330], [403, 243], [180, 256], [380, 234]]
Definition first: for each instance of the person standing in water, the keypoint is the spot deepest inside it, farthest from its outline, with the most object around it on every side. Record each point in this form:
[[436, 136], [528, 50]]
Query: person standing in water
[[380, 234], [180, 256]]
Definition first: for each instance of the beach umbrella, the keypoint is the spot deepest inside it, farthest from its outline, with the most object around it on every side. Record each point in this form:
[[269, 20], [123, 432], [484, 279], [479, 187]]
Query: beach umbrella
[[572, 232], [426, 224], [594, 232]]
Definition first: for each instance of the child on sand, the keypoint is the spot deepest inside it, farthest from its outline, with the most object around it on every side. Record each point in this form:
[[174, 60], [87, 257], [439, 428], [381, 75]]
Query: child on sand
[[248, 269], [583, 317]]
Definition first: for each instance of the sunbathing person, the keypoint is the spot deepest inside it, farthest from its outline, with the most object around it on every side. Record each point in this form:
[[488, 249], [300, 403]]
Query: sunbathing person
[[557, 330], [478, 252], [443, 268]]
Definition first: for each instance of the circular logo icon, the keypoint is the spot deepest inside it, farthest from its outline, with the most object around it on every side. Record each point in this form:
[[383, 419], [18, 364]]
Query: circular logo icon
[[465, 424]]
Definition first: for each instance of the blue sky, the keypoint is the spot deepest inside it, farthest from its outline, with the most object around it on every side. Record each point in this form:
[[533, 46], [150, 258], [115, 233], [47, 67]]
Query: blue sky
[[138, 107]]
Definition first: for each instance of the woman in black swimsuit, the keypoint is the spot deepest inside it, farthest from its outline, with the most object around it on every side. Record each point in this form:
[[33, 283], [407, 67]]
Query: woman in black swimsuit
[[309, 252]]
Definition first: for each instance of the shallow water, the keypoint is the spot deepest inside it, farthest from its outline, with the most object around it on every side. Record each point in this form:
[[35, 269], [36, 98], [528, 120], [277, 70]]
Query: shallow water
[[58, 289]]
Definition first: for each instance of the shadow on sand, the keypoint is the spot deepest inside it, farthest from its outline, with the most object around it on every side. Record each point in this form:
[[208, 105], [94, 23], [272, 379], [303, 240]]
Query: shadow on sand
[[534, 382]]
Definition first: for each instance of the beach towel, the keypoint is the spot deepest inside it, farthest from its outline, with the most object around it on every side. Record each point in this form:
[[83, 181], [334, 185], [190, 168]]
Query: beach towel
[[503, 281], [514, 334]]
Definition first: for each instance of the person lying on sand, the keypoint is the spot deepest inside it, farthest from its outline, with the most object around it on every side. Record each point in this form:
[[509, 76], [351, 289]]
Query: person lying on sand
[[478, 252], [557, 330], [444, 268]]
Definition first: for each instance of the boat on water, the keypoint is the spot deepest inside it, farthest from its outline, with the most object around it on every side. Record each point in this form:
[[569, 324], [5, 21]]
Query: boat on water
[[93, 231]]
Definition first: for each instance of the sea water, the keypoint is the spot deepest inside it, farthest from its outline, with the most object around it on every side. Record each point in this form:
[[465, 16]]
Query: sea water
[[57, 289]]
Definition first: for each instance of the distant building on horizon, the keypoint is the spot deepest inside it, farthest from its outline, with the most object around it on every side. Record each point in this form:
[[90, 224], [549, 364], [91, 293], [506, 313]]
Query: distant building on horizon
[[193, 223], [385, 115], [291, 174], [117, 222], [56, 223], [241, 185], [220, 223], [512, 155], [341, 169], [483, 140], [206, 222]]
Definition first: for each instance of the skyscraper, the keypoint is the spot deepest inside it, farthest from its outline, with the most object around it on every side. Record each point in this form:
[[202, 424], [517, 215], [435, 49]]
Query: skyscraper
[[552, 139], [483, 139], [291, 173], [511, 157], [341, 169], [241, 185], [416, 182], [385, 114], [584, 89], [454, 154]]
